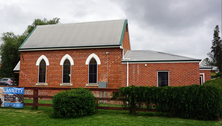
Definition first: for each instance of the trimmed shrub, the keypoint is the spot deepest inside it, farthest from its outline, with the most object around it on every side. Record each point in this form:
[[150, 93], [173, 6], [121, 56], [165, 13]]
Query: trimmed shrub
[[73, 103], [215, 82], [195, 101]]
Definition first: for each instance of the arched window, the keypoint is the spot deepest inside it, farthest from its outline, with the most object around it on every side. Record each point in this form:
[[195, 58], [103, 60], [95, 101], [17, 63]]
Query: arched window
[[93, 61], [66, 71], [42, 63], [92, 71], [42, 71], [66, 62]]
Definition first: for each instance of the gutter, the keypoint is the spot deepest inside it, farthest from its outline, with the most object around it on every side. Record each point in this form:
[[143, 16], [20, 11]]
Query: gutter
[[68, 48], [161, 61]]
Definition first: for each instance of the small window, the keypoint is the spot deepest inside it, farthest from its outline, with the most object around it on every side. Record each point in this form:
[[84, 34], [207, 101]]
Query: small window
[[42, 71], [66, 71], [201, 80], [163, 79], [93, 71]]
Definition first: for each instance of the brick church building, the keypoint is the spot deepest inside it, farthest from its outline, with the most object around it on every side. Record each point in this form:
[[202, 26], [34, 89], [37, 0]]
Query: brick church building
[[85, 54]]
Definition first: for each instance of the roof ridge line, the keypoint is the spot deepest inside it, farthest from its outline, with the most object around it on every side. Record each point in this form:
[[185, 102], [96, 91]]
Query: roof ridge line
[[80, 22]]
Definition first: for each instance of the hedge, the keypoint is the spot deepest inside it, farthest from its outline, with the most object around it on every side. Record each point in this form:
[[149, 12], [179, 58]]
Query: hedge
[[195, 101], [73, 103]]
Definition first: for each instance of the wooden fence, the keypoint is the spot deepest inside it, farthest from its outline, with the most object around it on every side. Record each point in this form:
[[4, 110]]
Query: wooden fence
[[35, 96]]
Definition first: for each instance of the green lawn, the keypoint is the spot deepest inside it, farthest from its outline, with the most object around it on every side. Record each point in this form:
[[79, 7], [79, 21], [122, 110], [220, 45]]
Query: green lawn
[[41, 117], [50, 102]]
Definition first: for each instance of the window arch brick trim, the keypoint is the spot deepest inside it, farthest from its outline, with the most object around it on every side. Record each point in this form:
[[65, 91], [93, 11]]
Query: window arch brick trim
[[67, 56], [93, 55], [40, 59]]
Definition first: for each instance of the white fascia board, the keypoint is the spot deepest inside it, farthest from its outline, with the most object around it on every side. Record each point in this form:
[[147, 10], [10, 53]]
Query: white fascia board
[[125, 62]]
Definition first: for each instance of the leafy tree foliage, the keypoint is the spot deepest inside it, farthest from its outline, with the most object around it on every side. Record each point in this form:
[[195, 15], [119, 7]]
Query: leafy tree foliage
[[11, 42], [9, 52], [215, 56], [41, 22]]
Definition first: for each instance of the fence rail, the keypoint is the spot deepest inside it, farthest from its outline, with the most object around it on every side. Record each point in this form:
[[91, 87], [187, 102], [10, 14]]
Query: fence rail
[[36, 96]]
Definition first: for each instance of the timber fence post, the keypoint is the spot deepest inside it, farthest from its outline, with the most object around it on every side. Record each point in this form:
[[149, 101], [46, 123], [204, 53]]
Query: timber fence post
[[35, 98]]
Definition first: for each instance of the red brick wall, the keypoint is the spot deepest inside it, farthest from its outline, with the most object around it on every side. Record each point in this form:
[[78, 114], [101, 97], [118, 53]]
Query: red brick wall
[[207, 74], [139, 75], [79, 71], [179, 73], [126, 42]]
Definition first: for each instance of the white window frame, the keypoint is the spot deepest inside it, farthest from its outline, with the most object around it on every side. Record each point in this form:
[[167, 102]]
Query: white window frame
[[93, 55], [69, 75], [67, 56], [202, 78], [42, 57], [158, 77]]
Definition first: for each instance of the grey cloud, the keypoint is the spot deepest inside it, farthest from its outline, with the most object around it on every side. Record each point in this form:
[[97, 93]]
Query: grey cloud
[[15, 19], [171, 15], [182, 27]]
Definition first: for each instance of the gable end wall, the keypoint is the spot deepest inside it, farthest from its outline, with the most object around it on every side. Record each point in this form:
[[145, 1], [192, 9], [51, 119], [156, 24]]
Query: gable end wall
[[126, 41]]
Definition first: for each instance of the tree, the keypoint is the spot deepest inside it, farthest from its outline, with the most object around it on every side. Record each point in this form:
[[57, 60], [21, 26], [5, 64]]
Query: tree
[[215, 56], [11, 42], [9, 52], [40, 22]]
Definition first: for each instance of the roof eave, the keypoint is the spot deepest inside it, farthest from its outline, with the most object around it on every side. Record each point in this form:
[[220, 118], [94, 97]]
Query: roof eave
[[70, 47], [161, 61], [27, 38], [205, 68]]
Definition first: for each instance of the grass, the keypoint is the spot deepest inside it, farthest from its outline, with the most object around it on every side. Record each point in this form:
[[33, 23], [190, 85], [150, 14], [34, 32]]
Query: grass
[[41, 117], [50, 102], [39, 101]]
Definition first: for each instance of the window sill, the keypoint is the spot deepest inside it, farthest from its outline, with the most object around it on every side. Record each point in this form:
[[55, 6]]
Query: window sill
[[41, 84], [92, 85], [66, 84]]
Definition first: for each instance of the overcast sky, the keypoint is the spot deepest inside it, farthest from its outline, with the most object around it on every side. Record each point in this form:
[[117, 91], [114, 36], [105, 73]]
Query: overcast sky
[[182, 27]]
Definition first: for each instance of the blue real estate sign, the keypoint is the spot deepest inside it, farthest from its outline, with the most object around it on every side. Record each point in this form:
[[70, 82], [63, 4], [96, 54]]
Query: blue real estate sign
[[12, 97]]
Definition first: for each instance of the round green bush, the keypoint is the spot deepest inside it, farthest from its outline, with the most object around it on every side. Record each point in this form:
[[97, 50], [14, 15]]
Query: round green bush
[[73, 103]]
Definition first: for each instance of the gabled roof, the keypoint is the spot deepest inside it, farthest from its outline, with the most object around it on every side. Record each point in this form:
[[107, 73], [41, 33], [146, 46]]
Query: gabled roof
[[154, 56], [76, 35]]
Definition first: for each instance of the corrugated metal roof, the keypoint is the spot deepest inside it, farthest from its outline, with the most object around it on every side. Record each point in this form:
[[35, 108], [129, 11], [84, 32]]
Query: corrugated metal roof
[[17, 67], [153, 56], [100, 33]]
